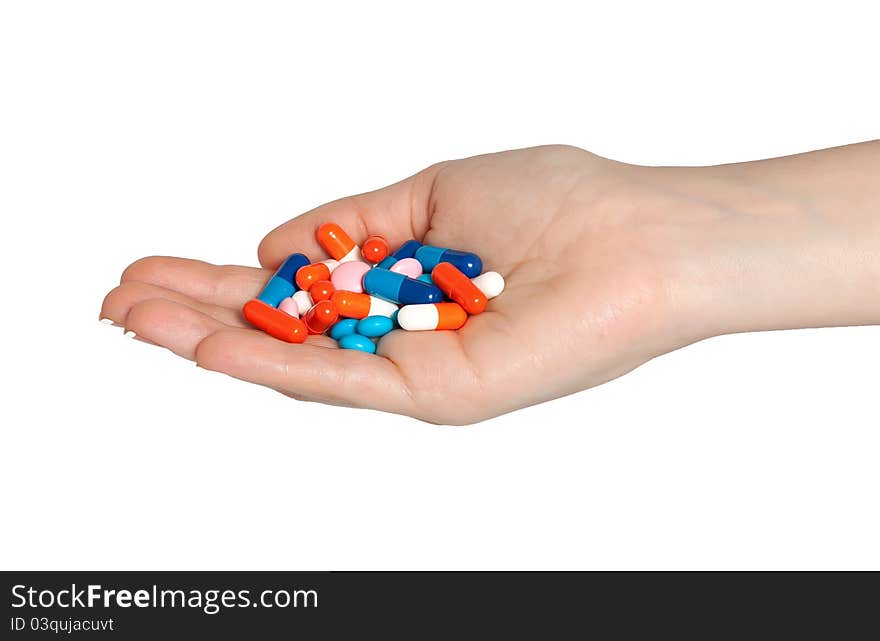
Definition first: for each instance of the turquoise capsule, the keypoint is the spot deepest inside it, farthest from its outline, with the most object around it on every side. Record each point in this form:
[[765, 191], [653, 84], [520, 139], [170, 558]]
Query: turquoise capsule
[[344, 327], [426, 278], [358, 342], [375, 326]]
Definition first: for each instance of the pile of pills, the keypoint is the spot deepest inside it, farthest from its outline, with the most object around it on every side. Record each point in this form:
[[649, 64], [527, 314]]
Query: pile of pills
[[362, 293]]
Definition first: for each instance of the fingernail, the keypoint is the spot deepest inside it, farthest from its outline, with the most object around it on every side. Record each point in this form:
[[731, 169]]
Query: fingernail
[[130, 334], [107, 321]]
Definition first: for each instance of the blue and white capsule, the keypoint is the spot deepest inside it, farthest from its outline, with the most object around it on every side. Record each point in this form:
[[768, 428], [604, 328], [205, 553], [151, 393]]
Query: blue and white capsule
[[468, 264], [406, 250], [399, 288], [283, 282]]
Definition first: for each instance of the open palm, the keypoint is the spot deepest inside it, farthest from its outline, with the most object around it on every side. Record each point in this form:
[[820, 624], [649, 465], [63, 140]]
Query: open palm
[[582, 305]]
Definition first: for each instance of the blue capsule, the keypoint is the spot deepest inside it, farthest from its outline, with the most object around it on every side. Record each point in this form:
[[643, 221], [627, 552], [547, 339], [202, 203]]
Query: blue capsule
[[469, 264], [426, 278], [399, 288], [358, 342], [283, 282], [375, 326], [344, 327], [406, 250]]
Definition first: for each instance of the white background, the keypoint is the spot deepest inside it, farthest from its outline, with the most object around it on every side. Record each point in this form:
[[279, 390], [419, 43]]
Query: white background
[[183, 128]]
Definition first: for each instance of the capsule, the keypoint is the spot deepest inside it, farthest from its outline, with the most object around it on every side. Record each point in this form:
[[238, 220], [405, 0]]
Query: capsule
[[406, 250], [469, 264], [320, 317], [426, 278], [275, 322], [322, 290], [349, 276], [355, 305], [343, 327], [374, 326], [283, 282], [490, 283], [399, 288], [308, 275], [357, 342], [374, 249], [303, 301], [459, 288], [437, 316], [337, 243]]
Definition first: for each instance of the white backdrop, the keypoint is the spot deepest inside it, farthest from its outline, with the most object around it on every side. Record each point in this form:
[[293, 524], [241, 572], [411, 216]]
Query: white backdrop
[[188, 128]]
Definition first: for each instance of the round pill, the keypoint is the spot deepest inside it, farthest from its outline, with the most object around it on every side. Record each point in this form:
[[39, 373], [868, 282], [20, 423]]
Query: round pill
[[374, 249], [348, 277], [374, 326], [408, 267], [358, 342], [343, 327], [289, 306], [322, 290]]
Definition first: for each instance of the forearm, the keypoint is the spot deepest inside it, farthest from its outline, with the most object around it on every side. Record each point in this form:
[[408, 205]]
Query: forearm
[[784, 243]]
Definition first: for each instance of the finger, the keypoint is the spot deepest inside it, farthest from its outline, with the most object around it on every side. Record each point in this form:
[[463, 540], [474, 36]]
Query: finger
[[221, 285], [337, 376], [397, 212], [121, 299], [174, 326]]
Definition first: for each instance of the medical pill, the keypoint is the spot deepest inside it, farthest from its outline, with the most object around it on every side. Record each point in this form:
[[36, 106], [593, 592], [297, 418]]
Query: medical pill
[[349, 276], [343, 327], [408, 267], [322, 290], [399, 288], [331, 264], [426, 278], [310, 274], [469, 264], [337, 243], [289, 306], [374, 249], [358, 342], [355, 305], [459, 288], [283, 282], [428, 317], [303, 301], [490, 283], [374, 326], [406, 250], [275, 322], [320, 317]]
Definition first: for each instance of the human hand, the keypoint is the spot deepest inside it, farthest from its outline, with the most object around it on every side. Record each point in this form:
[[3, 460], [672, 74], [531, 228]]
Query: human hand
[[607, 265]]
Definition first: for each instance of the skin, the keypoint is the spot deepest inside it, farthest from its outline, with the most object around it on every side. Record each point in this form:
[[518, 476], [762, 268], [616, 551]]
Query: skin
[[607, 266]]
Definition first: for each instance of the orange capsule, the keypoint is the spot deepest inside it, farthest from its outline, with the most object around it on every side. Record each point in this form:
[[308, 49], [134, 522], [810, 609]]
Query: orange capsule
[[322, 290], [275, 322], [320, 317], [374, 249], [431, 316], [310, 274], [356, 305], [336, 242], [459, 288]]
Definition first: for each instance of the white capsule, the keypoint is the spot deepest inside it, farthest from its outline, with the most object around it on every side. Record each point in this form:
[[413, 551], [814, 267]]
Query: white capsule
[[490, 283], [428, 316], [381, 307], [353, 254], [303, 301]]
